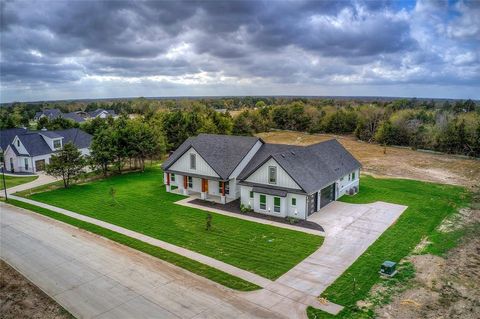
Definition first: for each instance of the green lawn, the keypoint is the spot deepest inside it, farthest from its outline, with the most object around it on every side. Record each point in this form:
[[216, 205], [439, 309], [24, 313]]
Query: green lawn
[[428, 204], [178, 260], [141, 204], [12, 181]]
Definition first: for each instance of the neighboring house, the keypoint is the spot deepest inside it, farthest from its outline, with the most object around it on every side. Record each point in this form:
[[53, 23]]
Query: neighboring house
[[30, 151], [52, 114], [101, 113], [274, 179]]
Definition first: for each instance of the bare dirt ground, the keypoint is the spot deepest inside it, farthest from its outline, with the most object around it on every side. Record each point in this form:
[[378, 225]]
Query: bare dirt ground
[[21, 299], [395, 162], [443, 287]]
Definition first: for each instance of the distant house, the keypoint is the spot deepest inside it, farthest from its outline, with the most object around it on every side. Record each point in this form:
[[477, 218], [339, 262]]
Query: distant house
[[273, 179], [29, 151], [101, 113], [52, 114]]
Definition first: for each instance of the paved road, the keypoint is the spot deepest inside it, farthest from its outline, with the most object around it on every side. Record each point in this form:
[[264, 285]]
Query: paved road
[[350, 230], [93, 277]]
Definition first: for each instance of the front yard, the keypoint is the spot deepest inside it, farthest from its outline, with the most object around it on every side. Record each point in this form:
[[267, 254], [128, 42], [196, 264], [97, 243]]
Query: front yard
[[428, 205], [138, 201], [12, 181]]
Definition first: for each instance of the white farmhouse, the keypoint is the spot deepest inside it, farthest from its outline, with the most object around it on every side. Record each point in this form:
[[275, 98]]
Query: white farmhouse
[[274, 179]]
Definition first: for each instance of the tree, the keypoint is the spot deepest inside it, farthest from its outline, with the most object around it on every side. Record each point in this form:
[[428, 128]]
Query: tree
[[68, 163], [103, 150]]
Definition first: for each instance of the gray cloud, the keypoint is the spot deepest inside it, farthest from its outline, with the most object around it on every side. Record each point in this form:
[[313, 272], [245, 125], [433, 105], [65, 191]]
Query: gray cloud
[[192, 44]]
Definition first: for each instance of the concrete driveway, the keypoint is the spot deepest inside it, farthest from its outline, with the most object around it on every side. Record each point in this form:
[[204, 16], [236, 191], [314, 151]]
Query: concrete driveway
[[350, 229], [94, 277]]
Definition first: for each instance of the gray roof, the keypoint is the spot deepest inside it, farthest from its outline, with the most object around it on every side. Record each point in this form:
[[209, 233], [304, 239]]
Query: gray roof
[[98, 111], [311, 167], [74, 117], [269, 191], [7, 136], [222, 152], [50, 134], [49, 113], [35, 144]]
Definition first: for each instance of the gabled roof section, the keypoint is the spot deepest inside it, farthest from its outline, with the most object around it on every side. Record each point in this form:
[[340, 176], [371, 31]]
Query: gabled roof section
[[74, 116], [35, 144], [7, 136], [50, 134], [78, 137], [49, 113], [222, 152], [312, 167]]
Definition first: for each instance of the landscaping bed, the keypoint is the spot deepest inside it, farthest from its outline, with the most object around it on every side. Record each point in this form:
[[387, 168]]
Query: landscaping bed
[[138, 201], [234, 207]]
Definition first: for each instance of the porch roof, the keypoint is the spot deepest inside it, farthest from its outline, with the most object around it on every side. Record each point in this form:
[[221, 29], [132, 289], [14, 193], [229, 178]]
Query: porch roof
[[269, 191], [193, 175]]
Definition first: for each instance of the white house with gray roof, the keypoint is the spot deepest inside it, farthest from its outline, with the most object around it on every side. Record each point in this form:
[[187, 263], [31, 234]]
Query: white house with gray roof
[[29, 151], [274, 179]]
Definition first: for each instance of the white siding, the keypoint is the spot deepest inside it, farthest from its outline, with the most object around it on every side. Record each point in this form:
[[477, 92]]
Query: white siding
[[260, 176], [202, 168], [246, 159], [346, 183], [21, 149], [286, 209]]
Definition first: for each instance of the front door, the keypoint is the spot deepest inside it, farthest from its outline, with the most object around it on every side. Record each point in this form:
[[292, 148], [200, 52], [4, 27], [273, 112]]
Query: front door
[[40, 165], [312, 203], [11, 164], [327, 195]]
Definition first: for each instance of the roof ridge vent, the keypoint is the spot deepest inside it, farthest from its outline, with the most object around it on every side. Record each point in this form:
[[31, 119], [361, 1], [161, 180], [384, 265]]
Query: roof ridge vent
[[282, 155], [292, 152]]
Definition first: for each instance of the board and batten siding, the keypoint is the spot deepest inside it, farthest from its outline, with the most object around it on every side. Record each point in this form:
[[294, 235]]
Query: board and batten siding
[[246, 159], [286, 207], [202, 167], [344, 184], [260, 176]]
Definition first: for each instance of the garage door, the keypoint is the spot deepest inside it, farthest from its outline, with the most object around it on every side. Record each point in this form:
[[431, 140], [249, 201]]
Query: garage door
[[40, 165], [327, 195]]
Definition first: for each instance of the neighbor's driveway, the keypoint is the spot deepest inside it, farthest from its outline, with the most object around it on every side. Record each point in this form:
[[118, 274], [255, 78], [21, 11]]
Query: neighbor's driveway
[[41, 180], [350, 229], [94, 277]]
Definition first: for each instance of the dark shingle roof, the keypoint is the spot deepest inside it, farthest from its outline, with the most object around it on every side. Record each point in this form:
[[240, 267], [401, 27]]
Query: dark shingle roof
[[7, 136], [49, 113], [34, 144], [80, 138], [98, 111], [74, 117], [222, 152], [312, 167]]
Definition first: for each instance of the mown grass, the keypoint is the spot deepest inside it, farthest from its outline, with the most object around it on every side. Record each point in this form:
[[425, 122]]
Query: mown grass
[[178, 260], [428, 204], [141, 204], [12, 181]]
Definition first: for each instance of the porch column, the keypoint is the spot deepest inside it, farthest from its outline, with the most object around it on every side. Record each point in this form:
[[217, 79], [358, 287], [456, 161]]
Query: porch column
[[168, 182], [185, 185], [222, 198], [203, 194]]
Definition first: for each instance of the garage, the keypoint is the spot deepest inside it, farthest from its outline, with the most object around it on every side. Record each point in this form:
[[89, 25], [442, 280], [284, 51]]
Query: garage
[[40, 165], [327, 195]]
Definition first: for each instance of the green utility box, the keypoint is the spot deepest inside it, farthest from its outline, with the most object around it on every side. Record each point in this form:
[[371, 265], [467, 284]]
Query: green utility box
[[388, 268]]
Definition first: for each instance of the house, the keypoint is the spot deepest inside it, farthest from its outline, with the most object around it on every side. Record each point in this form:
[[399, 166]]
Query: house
[[101, 113], [29, 151], [274, 179], [53, 114]]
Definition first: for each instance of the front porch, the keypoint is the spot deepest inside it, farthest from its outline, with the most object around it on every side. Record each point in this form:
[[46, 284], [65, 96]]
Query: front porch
[[207, 197], [201, 187]]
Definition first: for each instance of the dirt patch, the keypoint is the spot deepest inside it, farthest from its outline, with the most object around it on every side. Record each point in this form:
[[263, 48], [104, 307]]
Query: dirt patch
[[393, 161], [443, 287], [19, 298]]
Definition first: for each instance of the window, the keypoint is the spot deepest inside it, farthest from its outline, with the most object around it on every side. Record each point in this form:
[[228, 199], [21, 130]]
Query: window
[[294, 201], [276, 204], [57, 144], [227, 188], [18, 143], [341, 179], [353, 176], [272, 175], [251, 194], [190, 182], [263, 202], [26, 164], [172, 177], [193, 161]]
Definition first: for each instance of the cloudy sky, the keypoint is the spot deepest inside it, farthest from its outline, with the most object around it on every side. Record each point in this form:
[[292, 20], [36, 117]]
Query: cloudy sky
[[100, 49]]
